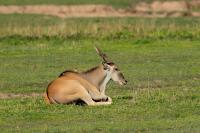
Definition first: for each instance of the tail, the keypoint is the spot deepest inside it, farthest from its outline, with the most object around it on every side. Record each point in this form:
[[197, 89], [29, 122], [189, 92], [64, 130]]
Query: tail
[[46, 98]]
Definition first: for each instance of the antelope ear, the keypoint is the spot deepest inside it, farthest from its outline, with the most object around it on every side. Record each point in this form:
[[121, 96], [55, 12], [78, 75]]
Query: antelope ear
[[105, 66]]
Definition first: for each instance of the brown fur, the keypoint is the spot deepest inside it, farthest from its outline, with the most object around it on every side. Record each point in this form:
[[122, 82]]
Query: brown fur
[[67, 71], [72, 87]]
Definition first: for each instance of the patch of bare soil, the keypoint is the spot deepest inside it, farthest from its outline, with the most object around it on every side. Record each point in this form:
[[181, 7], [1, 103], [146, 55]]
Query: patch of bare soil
[[195, 3], [66, 11], [168, 8], [12, 95], [154, 9]]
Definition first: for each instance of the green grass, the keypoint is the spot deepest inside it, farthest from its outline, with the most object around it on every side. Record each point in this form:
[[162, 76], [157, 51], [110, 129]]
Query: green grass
[[114, 3], [159, 57], [38, 26], [157, 111]]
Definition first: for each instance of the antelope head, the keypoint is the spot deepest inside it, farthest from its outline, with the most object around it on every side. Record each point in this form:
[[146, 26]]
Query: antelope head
[[111, 68]]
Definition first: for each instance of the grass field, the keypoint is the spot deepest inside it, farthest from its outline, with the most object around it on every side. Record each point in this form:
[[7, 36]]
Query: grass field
[[114, 3], [36, 26], [159, 57]]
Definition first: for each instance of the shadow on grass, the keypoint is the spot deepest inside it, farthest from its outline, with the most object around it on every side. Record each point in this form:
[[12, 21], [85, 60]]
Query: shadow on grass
[[124, 97]]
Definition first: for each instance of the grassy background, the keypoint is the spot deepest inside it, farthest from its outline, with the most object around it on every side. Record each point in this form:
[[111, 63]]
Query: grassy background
[[159, 57], [115, 3], [37, 26]]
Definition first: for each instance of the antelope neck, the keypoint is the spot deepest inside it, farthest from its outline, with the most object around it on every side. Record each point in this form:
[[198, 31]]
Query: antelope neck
[[98, 77]]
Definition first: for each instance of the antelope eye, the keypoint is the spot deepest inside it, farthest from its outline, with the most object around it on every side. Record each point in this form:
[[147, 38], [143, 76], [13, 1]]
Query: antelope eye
[[116, 69]]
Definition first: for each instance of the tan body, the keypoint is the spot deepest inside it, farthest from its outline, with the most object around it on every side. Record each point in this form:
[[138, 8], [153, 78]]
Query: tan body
[[72, 87], [88, 86]]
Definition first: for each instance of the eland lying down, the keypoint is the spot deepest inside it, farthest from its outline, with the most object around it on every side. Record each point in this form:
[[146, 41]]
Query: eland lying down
[[88, 87]]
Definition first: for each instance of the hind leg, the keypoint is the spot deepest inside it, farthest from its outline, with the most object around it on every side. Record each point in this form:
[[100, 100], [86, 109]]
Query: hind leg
[[66, 99], [81, 95], [65, 95]]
